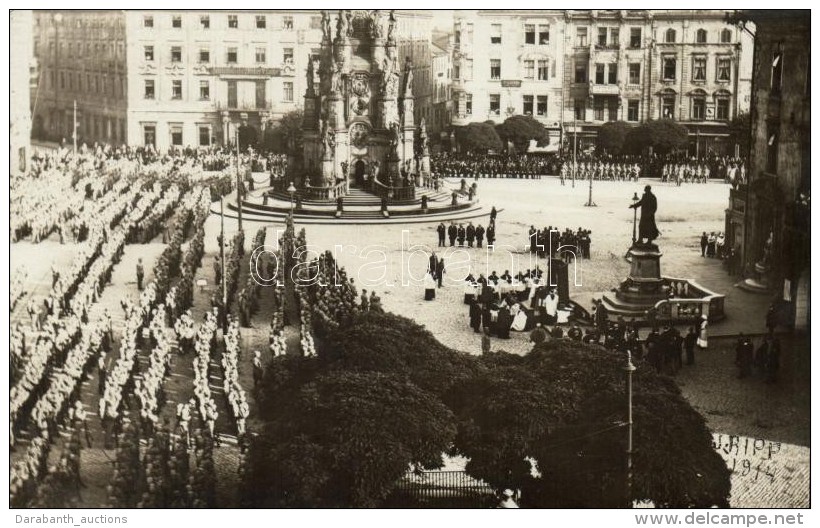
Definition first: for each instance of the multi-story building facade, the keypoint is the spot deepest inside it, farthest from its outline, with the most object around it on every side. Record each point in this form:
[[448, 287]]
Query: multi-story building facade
[[81, 58], [442, 104], [415, 30], [635, 66], [187, 78], [768, 220], [22, 58], [508, 62]]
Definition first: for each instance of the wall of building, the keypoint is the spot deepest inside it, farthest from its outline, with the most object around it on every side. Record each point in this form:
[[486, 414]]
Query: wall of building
[[483, 37], [22, 24]]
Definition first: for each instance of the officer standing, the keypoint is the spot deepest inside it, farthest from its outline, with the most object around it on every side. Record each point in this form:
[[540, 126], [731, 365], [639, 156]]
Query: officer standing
[[140, 273]]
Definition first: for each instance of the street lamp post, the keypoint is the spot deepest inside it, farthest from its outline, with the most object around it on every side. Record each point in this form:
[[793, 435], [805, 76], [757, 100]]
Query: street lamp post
[[635, 200], [222, 263], [629, 369], [238, 181]]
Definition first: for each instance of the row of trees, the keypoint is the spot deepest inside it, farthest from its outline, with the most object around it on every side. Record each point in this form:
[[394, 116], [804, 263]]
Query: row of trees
[[384, 396]]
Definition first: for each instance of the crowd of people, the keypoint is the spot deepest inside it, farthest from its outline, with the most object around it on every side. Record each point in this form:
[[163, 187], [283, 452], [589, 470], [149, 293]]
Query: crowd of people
[[567, 244], [248, 300], [471, 165]]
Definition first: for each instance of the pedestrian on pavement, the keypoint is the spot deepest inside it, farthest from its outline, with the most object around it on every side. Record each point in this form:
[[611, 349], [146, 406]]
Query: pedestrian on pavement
[[703, 337], [689, 344]]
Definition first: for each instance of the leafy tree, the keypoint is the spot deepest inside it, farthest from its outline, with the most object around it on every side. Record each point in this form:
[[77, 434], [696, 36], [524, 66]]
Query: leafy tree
[[286, 136], [520, 130], [478, 137], [663, 135], [344, 439], [561, 410], [612, 135]]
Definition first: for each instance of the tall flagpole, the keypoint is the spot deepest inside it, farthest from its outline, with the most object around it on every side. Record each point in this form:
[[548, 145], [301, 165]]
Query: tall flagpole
[[74, 134], [238, 180]]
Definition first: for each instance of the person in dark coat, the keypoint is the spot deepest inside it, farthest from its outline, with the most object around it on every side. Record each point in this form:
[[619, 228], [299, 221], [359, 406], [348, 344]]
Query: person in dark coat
[[479, 235], [441, 230], [470, 234], [475, 317], [440, 272], [493, 214], [504, 322], [704, 241], [432, 265], [689, 343], [647, 229], [462, 234], [773, 362], [491, 235], [744, 356], [452, 232]]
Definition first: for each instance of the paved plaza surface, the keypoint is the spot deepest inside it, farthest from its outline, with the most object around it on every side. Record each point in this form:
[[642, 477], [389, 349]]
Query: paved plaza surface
[[776, 414]]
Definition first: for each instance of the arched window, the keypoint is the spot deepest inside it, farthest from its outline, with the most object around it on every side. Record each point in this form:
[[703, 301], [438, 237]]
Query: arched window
[[700, 36], [671, 35], [726, 36]]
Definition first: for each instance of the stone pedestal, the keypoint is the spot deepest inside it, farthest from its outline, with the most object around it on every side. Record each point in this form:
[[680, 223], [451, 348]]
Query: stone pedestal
[[328, 175], [760, 282], [643, 288]]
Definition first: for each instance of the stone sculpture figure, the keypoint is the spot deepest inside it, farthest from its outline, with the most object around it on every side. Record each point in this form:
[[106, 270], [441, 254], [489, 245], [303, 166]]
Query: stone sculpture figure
[[647, 229]]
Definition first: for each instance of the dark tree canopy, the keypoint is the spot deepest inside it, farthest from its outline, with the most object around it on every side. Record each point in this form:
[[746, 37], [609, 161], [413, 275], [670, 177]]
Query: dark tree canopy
[[612, 135], [478, 137], [520, 130], [286, 136], [663, 135], [384, 396]]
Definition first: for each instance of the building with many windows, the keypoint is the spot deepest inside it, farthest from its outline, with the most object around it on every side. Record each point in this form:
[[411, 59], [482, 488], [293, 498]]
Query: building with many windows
[[639, 65], [508, 62], [186, 78], [442, 103], [20, 90]]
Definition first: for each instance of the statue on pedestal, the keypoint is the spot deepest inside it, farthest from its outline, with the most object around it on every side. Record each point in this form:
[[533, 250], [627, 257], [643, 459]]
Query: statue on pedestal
[[391, 29], [326, 31], [376, 28], [310, 76], [425, 146], [328, 140], [395, 138], [408, 75], [343, 25], [647, 229], [336, 79]]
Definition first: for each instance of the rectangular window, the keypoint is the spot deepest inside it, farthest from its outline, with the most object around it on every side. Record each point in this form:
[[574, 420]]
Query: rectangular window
[[543, 34], [698, 108], [495, 104], [149, 135], [632, 110], [635, 73], [232, 56], [528, 105], [204, 136], [287, 95], [777, 69], [287, 22], [602, 36], [635, 37], [233, 21], [287, 55], [260, 56], [495, 34], [580, 73], [149, 89], [495, 68], [315, 22], [149, 53], [580, 110], [148, 21], [204, 90], [581, 35], [612, 77], [613, 109], [543, 70], [614, 37], [529, 69], [204, 55], [724, 69], [529, 34], [468, 105], [600, 73], [176, 89], [598, 110], [456, 71], [668, 107], [176, 54], [723, 109], [176, 21], [232, 100], [176, 134], [541, 106], [261, 95], [670, 68], [205, 22], [261, 22], [699, 68]]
